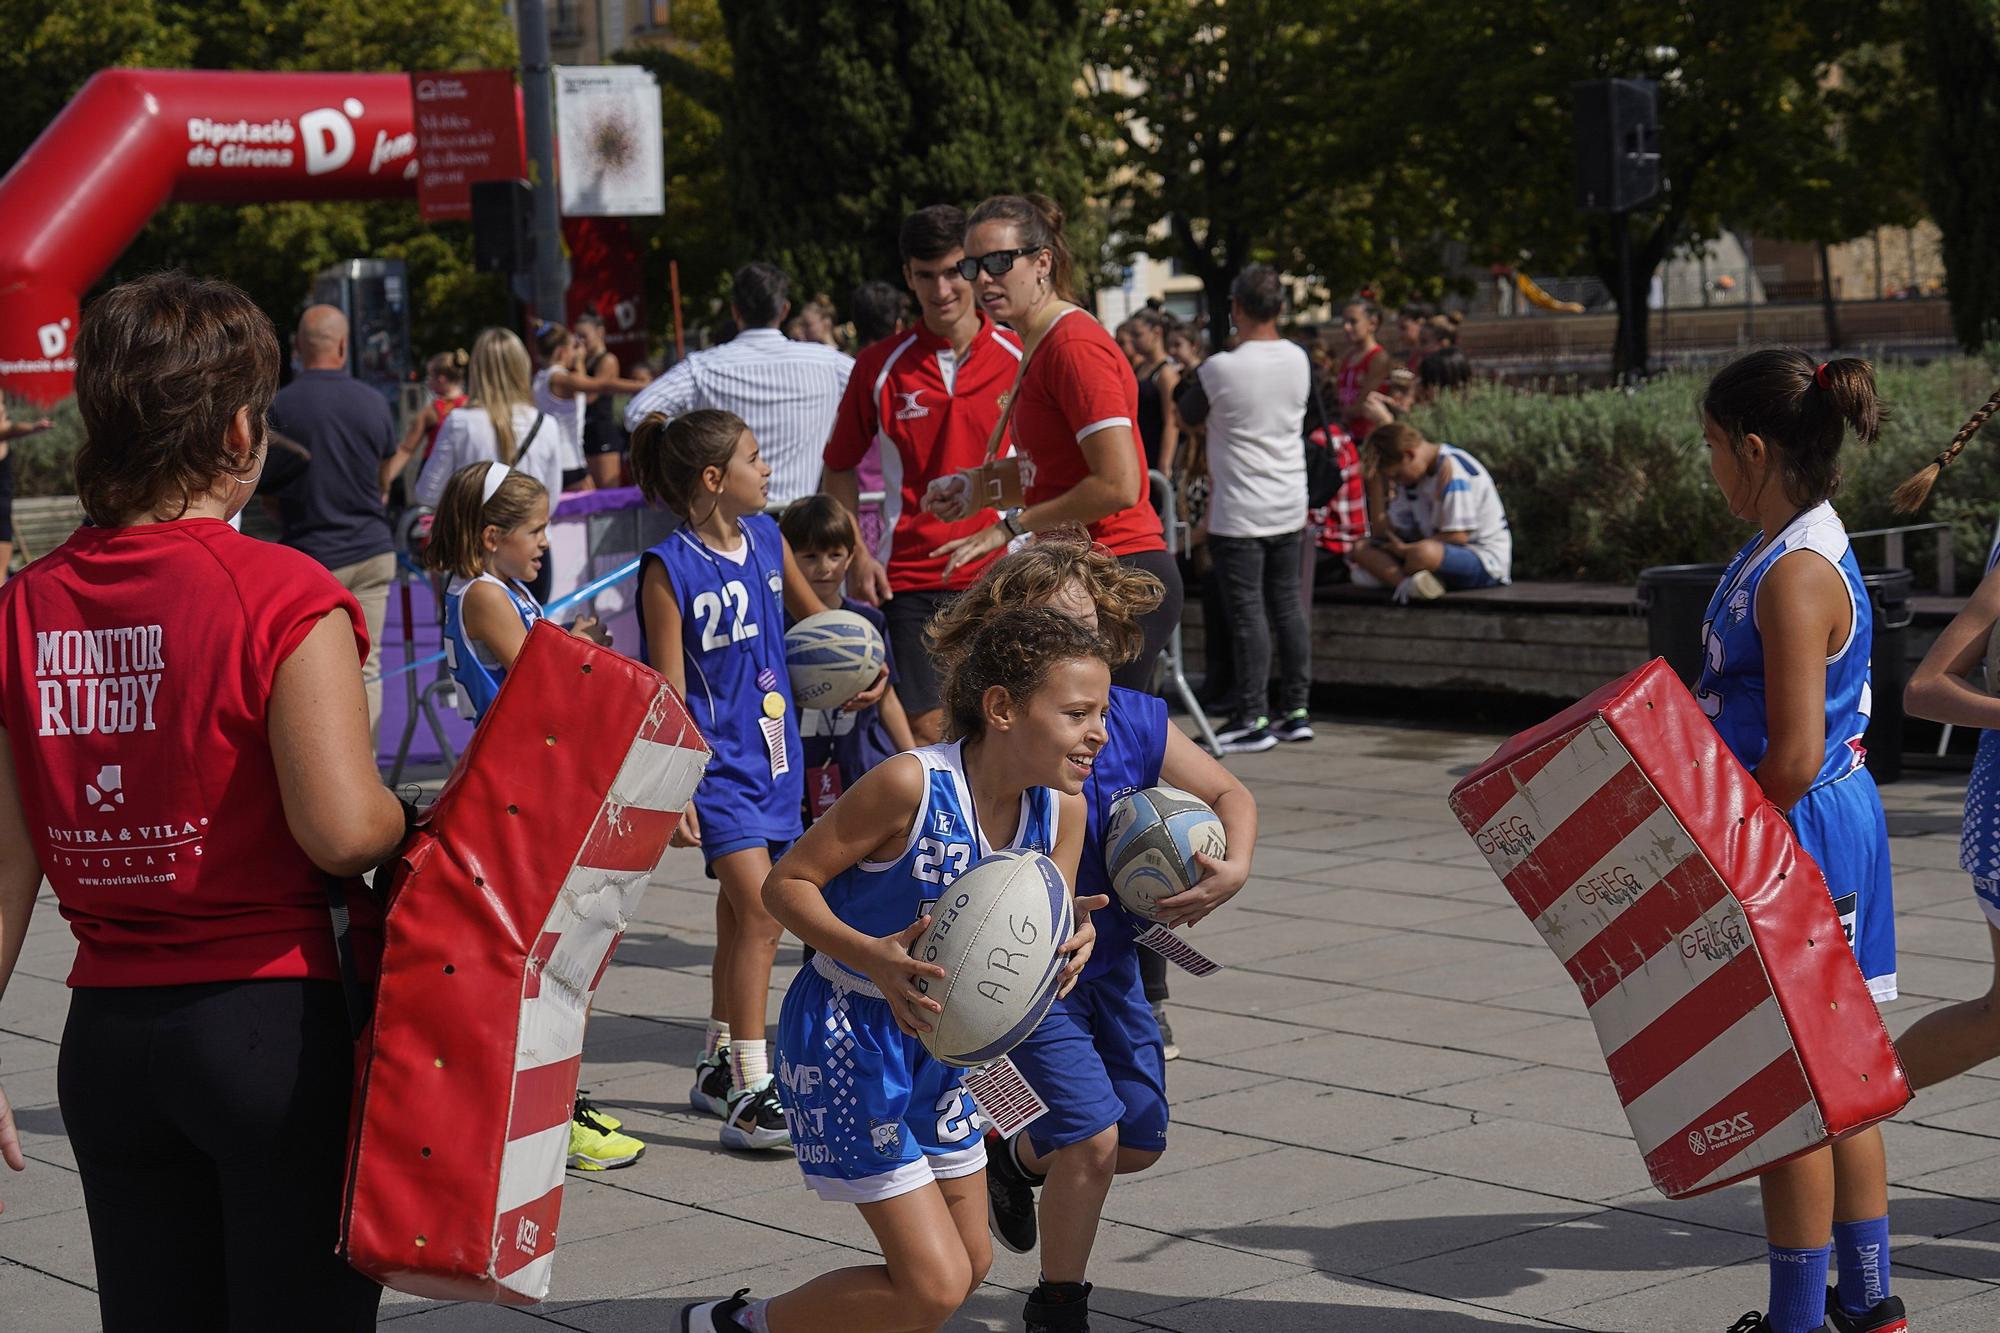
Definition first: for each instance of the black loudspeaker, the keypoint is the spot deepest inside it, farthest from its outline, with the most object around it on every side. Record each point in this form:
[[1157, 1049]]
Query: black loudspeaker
[[500, 226], [1617, 144]]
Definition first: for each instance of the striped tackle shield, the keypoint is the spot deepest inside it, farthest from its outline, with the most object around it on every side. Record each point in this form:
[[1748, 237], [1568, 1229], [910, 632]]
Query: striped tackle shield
[[505, 908], [1736, 1026]]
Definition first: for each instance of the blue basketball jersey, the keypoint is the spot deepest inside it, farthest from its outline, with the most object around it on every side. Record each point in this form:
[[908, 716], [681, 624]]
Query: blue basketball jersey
[[1731, 689], [1979, 834], [733, 644], [882, 897], [1134, 748], [476, 671]]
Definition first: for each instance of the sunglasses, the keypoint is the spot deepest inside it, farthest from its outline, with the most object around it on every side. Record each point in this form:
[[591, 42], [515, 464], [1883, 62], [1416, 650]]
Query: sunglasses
[[997, 264]]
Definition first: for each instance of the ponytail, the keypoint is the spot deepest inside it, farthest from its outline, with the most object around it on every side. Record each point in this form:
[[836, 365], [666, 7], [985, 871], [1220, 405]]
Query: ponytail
[[1917, 489], [1801, 409]]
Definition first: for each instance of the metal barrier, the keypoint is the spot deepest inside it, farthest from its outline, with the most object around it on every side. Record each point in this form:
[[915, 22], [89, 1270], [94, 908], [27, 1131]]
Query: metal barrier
[[1175, 531], [1893, 551]]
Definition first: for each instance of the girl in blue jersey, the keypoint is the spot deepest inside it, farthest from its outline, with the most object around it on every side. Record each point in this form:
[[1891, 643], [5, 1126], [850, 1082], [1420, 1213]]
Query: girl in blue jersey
[[712, 604], [489, 539], [876, 1120], [1947, 1042], [1096, 1059], [1785, 681]]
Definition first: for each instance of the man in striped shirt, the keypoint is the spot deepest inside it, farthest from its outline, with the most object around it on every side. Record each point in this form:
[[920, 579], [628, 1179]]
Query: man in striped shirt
[[786, 392]]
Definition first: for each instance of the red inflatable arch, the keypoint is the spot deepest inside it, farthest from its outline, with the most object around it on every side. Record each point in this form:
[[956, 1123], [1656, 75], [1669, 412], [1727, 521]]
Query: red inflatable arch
[[135, 139]]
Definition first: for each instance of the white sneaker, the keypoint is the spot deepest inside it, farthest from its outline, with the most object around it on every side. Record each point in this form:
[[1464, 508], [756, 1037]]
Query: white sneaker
[[714, 1316]]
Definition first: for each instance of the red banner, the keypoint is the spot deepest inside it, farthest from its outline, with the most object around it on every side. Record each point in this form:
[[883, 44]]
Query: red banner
[[607, 277], [468, 129]]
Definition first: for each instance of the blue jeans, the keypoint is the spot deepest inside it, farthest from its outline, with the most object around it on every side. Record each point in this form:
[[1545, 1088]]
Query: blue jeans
[[1260, 585]]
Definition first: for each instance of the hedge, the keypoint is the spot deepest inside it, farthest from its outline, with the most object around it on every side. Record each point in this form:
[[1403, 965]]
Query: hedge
[[42, 461], [1600, 484]]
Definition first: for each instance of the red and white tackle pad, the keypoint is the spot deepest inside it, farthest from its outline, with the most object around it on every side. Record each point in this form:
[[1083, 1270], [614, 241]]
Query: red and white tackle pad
[[1736, 1025], [505, 908]]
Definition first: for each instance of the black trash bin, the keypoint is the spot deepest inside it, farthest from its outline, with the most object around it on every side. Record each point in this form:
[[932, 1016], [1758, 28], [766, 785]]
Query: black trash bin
[[1675, 600]]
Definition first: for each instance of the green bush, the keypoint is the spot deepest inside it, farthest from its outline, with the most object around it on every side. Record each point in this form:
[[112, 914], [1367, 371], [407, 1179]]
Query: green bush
[[44, 462], [1600, 484]]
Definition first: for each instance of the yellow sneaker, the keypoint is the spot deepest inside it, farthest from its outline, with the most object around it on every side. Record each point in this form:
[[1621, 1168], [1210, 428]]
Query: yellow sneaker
[[585, 1106], [594, 1146]]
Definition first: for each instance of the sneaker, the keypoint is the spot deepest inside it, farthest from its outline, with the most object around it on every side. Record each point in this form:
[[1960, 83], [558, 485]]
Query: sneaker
[[586, 1106], [1756, 1323], [1886, 1317], [1293, 726], [1240, 736], [710, 1092], [714, 1316], [1426, 586], [1010, 1197], [594, 1146], [1058, 1307], [754, 1120], [1168, 1050]]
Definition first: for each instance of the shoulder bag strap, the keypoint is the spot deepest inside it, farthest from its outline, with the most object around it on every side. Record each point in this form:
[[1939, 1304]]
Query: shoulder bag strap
[[529, 443]]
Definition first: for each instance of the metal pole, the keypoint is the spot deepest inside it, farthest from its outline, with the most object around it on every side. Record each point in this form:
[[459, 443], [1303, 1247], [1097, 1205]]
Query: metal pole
[[551, 277], [680, 334]]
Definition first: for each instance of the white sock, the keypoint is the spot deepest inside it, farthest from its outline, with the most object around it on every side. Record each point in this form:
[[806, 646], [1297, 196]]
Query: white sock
[[717, 1038], [749, 1063], [751, 1317]]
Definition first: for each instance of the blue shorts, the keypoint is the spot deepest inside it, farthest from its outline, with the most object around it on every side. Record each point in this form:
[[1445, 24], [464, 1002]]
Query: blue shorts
[[872, 1114], [1097, 1061], [1461, 568], [1842, 827], [711, 852]]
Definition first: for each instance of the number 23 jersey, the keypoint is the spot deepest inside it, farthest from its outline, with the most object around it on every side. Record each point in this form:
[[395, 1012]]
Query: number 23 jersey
[[733, 645], [879, 898]]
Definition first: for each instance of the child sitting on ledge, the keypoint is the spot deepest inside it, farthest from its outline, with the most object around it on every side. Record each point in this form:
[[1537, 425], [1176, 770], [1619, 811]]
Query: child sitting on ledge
[[1443, 527]]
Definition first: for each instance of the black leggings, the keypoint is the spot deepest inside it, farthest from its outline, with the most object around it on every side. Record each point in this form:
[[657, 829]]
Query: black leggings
[[1157, 624], [210, 1130]]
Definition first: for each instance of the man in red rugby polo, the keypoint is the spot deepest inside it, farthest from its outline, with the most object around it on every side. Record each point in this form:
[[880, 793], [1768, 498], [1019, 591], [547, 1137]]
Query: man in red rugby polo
[[931, 396]]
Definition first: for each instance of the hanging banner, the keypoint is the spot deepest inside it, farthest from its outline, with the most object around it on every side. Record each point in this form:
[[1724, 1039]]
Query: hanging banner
[[468, 125], [608, 279], [608, 141]]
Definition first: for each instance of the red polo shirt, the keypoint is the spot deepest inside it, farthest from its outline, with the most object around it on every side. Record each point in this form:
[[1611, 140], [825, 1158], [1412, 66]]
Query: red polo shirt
[[1078, 383], [135, 685], [933, 414]]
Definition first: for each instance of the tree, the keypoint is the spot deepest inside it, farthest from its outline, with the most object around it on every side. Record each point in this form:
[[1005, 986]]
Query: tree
[[1758, 130], [843, 118], [697, 231], [1230, 135], [1961, 42], [270, 250]]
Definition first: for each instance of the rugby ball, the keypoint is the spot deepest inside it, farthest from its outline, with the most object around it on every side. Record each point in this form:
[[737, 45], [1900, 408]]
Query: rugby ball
[[831, 657], [995, 931], [1150, 843]]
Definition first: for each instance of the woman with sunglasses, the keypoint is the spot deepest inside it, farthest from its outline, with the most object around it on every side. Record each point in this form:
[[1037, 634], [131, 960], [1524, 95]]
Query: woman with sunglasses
[[1074, 412]]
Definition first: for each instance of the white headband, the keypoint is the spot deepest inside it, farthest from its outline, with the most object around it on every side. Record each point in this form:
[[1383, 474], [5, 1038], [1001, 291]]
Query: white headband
[[496, 476]]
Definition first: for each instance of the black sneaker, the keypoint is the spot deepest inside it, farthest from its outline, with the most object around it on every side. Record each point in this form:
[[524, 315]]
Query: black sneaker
[[1886, 1317], [1010, 1197], [1245, 736], [1293, 726], [710, 1092], [1756, 1323], [714, 1316], [1168, 1049], [1058, 1307], [755, 1119]]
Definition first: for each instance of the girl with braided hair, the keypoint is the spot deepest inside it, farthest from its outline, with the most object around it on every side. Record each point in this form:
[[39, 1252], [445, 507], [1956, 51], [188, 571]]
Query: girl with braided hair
[[1784, 679], [1949, 1041]]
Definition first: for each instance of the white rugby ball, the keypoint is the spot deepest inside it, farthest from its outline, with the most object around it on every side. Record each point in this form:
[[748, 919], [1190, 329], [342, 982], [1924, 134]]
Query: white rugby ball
[[995, 931], [1150, 842], [831, 657]]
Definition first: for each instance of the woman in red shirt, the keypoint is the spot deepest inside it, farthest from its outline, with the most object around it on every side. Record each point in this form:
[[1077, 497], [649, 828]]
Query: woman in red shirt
[[186, 756], [1074, 415]]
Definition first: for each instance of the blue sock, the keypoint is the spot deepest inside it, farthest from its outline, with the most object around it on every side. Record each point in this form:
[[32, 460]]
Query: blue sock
[[1798, 1290], [1863, 1248]]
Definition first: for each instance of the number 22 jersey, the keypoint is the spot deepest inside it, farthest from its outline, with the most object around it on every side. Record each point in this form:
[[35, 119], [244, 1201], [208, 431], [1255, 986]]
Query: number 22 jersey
[[733, 645]]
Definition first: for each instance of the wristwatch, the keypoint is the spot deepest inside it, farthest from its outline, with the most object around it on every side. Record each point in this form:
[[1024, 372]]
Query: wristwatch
[[1010, 521]]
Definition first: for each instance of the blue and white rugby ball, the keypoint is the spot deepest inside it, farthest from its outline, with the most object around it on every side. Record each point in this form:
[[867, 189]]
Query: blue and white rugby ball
[[1150, 842], [831, 657]]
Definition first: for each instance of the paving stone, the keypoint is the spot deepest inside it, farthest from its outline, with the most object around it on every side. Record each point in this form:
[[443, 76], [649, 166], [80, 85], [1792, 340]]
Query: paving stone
[[1552, 1096], [1337, 1120], [1714, 1297], [32, 1302], [1373, 1064], [1137, 1271], [1547, 1159], [1320, 1303], [1270, 1184]]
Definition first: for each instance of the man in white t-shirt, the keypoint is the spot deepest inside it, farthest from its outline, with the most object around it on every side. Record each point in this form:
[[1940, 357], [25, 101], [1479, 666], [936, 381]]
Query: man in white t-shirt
[[1253, 398]]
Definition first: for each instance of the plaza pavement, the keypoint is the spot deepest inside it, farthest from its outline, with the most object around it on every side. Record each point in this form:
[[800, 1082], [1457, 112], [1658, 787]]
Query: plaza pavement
[[1390, 1117]]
